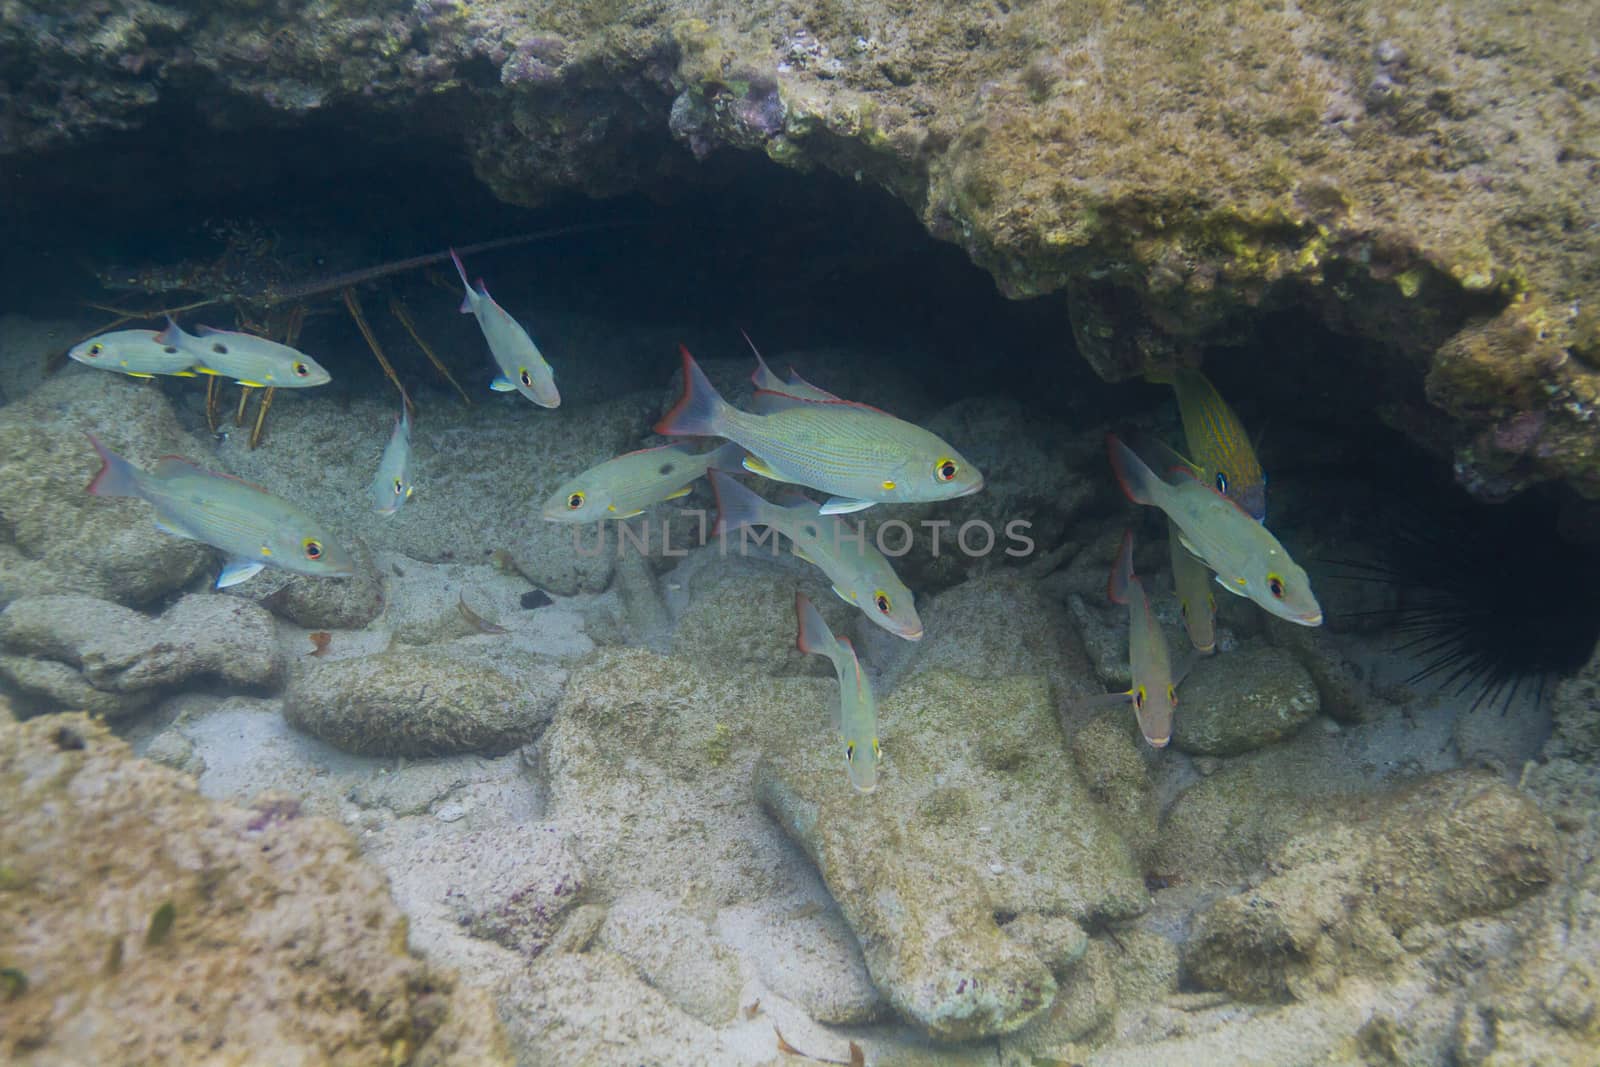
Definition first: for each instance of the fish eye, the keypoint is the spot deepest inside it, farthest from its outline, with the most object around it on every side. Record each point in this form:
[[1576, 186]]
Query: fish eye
[[399, 487], [850, 752], [301, 370], [1222, 483], [881, 599], [575, 501], [1275, 586], [96, 349], [312, 547], [1138, 698], [945, 470], [527, 379]]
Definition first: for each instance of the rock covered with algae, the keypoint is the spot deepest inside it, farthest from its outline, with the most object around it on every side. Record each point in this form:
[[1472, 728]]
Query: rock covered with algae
[[146, 924], [978, 820], [1415, 181]]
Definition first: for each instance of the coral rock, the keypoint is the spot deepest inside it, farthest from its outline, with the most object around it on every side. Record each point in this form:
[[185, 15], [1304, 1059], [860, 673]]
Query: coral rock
[[116, 911]]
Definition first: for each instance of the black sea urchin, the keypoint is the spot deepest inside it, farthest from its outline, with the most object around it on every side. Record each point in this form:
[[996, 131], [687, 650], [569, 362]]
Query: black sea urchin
[[1492, 599]]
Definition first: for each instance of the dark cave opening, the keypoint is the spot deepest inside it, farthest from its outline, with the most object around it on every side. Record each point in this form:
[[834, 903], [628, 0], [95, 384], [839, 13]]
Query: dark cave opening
[[797, 260]]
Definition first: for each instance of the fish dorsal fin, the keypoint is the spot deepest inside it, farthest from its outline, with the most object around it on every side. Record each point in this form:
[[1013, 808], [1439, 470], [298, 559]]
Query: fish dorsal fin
[[789, 401], [772, 401], [646, 451], [169, 465], [795, 379]]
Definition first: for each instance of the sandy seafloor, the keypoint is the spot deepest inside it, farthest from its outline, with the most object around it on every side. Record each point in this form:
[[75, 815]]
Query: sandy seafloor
[[699, 922]]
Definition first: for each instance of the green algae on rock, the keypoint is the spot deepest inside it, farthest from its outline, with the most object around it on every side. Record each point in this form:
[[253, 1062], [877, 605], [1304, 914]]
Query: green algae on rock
[[977, 815], [254, 900]]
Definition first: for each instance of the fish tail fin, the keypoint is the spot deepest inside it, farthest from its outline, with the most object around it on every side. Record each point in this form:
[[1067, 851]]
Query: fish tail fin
[[1132, 473], [762, 376], [737, 506], [117, 476], [466, 301], [813, 636], [730, 457], [701, 410], [1121, 571], [1161, 376]]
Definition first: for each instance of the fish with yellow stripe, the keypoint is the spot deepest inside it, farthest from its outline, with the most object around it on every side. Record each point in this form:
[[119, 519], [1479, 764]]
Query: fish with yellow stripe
[[1249, 560], [623, 487], [856, 717], [1219, 447], [253, 528], [860, 455], [246, 358], [1191, 580], [861, 575], [1154, 692], [136, 353]]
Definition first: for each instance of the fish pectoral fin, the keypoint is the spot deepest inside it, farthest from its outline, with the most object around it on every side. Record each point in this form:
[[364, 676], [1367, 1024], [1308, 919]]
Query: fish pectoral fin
[[631, 514], [1104, 700], [838, 505], [238, 570], [842, 595], [1186, 664], [756, 465], [174, 529], [1236, 588], [685, 491], [502, 385]]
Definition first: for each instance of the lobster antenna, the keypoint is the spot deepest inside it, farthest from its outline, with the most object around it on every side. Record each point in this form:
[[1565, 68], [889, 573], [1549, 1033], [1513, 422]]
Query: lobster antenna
[[273, 295]]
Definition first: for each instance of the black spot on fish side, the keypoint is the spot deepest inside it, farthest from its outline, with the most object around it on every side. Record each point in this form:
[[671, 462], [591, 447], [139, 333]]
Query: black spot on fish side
[[666, 468], [219, 348], [535, 598]]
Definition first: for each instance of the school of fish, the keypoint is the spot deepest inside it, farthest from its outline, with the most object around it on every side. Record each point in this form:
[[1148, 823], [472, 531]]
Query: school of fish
[[795, 434]]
